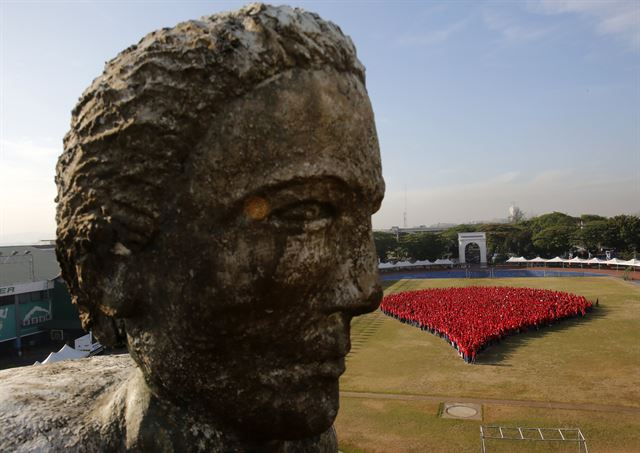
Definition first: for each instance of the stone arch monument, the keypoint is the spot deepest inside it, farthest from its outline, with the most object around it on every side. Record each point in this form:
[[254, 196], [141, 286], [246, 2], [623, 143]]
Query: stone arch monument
[[477, 238]]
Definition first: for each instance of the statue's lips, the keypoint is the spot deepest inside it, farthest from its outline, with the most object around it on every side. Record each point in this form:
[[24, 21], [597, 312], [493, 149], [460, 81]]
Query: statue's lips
[[330, 368], [315, 351], [304, 372]]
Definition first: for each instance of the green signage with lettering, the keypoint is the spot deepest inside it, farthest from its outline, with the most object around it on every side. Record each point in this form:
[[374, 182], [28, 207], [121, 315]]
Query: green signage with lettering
[[32, 317], [7, 322]]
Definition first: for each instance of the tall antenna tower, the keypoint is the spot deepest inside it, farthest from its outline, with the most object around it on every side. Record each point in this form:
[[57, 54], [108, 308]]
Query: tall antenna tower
[[404, 214]]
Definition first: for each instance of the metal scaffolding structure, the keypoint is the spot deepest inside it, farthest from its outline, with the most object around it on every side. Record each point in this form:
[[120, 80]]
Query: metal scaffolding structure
[[533, 434]]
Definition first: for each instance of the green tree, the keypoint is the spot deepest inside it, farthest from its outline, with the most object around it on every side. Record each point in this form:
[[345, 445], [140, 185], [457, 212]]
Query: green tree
[[504, 239], [587, 218], [627, 234], [595, 235], [554, 240], [553, 219], [385, 242], [399, 253], [520, 242], [423, 246]]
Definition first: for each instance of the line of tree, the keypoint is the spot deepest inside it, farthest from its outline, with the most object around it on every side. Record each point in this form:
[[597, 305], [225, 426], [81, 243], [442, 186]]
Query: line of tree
[[547, 235]]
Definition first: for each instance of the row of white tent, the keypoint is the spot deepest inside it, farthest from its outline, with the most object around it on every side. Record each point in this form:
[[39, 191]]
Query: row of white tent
[[65, 353], [516, 260], [593, 261], [84, 347], [419, 263]]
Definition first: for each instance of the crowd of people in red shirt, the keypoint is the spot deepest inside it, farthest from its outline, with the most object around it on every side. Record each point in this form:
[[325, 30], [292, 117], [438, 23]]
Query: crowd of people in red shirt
[[473, 318]]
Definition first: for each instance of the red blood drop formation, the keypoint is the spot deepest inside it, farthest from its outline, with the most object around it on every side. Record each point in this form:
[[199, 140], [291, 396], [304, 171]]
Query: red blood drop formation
[[474, 317]]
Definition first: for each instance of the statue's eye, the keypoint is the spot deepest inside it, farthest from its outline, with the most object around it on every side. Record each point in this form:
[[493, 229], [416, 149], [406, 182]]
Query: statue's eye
[[307, 214], [306, 211]]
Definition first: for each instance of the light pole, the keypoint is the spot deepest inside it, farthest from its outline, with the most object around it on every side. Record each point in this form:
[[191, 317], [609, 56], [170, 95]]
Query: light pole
[[31, 268]]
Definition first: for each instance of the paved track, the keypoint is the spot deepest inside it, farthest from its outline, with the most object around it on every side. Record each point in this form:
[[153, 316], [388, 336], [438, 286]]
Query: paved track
[[499, 402]]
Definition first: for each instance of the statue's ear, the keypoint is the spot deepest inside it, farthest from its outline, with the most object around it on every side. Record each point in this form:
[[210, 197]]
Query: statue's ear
[[106, 266], [108, 331]]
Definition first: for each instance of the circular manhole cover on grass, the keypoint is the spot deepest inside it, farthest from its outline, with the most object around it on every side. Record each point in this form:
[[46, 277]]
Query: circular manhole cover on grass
[[461, 411]]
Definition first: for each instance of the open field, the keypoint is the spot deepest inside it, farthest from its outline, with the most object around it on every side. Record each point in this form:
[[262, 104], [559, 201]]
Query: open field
[[588, 367]]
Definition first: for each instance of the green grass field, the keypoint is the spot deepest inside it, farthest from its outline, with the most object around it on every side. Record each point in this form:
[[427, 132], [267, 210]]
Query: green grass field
[[592, 360]]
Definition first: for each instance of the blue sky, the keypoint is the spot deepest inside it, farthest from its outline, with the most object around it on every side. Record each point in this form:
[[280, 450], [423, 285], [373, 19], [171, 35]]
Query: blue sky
[[478, 104]]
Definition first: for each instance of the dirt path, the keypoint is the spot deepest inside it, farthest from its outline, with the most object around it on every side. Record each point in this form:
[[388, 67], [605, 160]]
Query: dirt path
[[457, 399]]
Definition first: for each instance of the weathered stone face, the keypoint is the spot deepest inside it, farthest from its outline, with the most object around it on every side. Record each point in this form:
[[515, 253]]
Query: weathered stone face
[[235, 269], [268, 257]]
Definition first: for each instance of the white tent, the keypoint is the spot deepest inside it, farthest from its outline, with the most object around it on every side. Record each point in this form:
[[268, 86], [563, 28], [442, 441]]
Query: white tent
[[443, 262], [537, 259], [632, 262], [616, 262], [404, 264], [519, 259], [557, 259], [576, 260], [597, 261], [86, 344], [65, 353]]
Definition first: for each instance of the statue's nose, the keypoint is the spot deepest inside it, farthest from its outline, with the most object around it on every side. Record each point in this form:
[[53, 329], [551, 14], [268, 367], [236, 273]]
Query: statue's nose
[[372, 300], [356, 283], [358, 290]]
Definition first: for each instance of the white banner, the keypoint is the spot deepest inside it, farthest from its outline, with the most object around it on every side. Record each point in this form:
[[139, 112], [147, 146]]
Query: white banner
[[22, 288]]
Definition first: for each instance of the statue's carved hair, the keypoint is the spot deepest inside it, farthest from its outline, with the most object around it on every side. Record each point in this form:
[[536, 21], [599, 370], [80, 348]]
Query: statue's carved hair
[[134, 127]]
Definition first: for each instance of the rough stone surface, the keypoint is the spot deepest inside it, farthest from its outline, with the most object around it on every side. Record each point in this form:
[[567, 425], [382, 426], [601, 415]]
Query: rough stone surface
[[101, 404], [214, 214]]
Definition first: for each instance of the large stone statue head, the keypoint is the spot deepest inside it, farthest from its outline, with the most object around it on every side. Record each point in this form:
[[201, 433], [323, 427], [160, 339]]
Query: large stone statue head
[[214, 213]]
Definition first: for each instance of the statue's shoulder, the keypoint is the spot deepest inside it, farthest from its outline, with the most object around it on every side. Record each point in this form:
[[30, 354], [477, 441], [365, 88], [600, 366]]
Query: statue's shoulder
[[60, 406]]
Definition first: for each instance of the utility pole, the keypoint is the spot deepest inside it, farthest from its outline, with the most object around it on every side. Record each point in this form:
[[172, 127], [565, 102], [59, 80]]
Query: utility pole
[[404, 215], [29, 255]]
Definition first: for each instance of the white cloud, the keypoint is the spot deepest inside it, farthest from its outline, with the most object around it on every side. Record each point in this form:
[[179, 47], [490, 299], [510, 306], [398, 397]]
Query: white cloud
[[27, 152], [432, 36], [552, 176], [27, 189], [507, 177], [612, 17], [510, 28]]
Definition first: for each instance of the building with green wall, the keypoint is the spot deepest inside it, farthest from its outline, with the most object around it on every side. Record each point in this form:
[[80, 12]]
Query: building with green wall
[[34, 301]]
